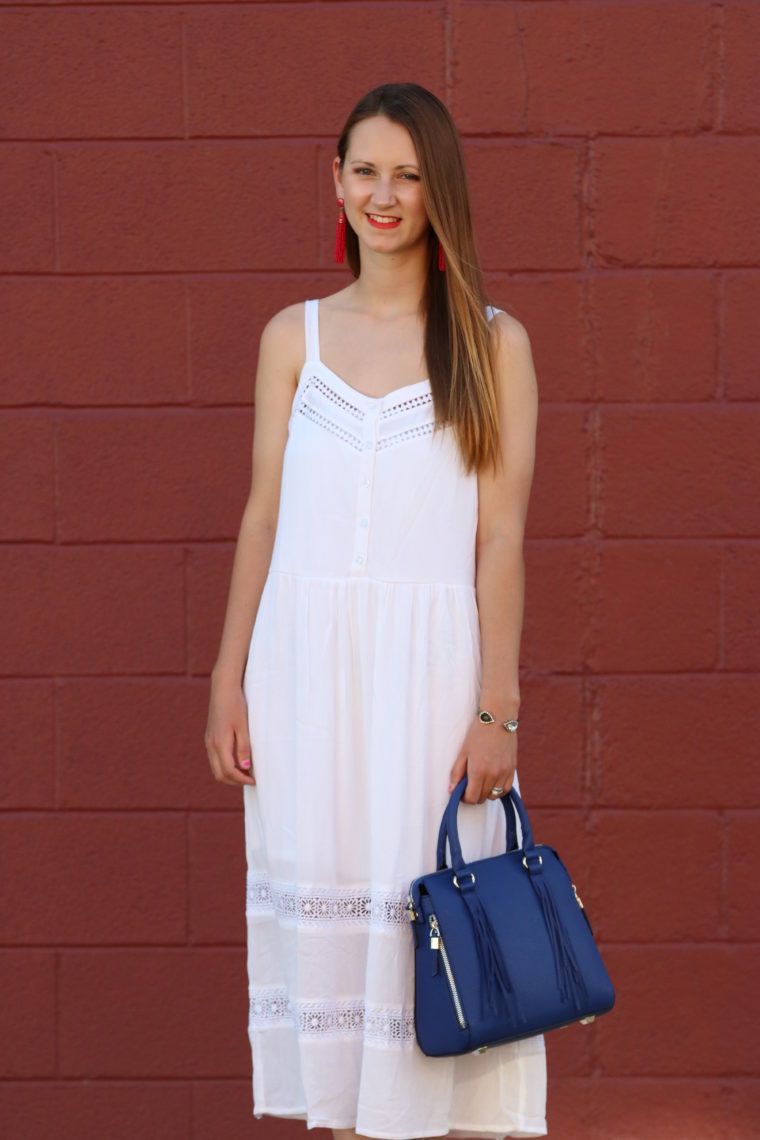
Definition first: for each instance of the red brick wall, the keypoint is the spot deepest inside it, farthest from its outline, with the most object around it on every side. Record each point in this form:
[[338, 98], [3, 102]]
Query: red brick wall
[[165, 186]]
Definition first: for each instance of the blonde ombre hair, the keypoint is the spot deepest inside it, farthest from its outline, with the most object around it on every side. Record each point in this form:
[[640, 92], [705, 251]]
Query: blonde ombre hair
[[458, 346]]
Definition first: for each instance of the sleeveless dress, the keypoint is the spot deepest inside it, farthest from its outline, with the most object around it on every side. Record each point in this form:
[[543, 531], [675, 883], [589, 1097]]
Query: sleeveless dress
[[362, 679]]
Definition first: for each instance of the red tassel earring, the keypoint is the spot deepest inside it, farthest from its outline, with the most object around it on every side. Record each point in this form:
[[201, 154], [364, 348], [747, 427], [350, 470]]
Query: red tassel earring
[[441, 262], [340, 233]]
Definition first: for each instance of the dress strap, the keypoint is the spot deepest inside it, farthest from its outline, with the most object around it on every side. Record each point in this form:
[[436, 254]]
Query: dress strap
[[312, 329]]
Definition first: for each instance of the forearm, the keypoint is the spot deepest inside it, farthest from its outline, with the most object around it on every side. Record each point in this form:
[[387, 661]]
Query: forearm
[[500, 589], [253, 555]]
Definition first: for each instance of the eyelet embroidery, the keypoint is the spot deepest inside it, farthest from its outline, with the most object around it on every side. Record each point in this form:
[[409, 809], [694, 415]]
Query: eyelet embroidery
[[386, 1026], [330, 425], [352, 905], [406, 405], [331, 394], [400, 436]]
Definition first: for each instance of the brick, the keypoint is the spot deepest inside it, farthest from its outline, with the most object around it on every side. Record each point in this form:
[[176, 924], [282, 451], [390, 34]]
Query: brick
[[742, 335], [696, 471], [551, 712], [116, 341], [658, 741], [654, 336], [740, 95], [223, 1108], [27, 477], [90, 1110], [27, 243], [567, 1098], [153, 1013], [554, 312], [680, 1011], [568, 831], [209, 569], [114, 72], [669, 1108], [742, 855], [226, 96], [114, 718], [87, 878], [540, 228], [28, 1040], [138, 207], [559, 504], [217, 871], [227, 317], [70, 608], [555, 625], [655, 607], [179, 485], [29, 780], [569, 1053], [642, 886], [577, 68], [741, 589], [663, 201]]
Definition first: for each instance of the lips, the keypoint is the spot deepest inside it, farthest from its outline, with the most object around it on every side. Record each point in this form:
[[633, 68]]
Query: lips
[[383, 221]]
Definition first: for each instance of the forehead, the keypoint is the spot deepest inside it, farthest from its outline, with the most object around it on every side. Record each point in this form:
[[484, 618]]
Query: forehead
[[378, 139]]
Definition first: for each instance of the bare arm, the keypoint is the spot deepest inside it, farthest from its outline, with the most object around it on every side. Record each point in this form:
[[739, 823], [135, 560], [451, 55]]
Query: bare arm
[[227, 739], [489, 753]]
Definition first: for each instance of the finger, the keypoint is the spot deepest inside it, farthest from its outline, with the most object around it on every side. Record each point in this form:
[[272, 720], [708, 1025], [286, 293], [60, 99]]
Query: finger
[[243, 752], [458, 770]]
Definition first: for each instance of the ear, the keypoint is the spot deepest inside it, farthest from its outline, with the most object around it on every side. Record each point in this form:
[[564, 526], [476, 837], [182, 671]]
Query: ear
[[337, 178]]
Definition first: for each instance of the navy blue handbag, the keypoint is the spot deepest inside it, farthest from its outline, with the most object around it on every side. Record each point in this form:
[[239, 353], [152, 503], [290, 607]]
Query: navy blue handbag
[[503, 947]]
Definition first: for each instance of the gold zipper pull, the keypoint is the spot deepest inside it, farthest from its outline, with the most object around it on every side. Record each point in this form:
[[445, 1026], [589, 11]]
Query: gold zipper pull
[[435, 940]]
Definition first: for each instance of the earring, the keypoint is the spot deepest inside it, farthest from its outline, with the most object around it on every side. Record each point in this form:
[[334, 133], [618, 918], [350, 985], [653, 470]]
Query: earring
[[340, 233], [441, 262]]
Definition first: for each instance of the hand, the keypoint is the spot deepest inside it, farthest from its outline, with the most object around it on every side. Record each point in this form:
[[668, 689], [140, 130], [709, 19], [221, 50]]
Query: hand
[[489, 757], [227, 741]]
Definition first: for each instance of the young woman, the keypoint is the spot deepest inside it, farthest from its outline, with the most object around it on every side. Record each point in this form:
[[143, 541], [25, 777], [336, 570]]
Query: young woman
[[375, 610]]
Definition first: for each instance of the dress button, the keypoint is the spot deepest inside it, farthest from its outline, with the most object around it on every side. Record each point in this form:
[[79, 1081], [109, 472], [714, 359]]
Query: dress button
[[365, 482], [368, 444], [358, 558], [364, 522]]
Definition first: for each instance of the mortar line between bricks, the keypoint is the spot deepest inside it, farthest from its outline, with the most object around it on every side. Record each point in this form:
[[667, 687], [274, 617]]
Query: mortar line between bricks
[[723, 923], [449, 51], [60, 949], [184, 72], [719, 17]]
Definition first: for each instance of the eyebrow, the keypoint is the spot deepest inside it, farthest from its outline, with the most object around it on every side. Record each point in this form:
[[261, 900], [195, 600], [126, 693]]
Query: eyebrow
[[401, 165]]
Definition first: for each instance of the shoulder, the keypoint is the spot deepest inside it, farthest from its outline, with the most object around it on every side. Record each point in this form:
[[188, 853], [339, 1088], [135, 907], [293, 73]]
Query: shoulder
[[285, 325], [509, 334]]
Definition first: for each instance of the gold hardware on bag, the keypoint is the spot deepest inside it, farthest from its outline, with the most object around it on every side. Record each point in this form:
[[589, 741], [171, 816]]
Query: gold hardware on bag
[[578, 898], [525, 862], [587, 1020], [411, 913]]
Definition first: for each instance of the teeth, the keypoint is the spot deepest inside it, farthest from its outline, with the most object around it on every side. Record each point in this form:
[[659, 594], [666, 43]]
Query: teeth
[[382, 219]]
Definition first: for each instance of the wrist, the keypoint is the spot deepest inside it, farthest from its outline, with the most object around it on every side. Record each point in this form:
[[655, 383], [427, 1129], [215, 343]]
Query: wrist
[[503, 706]]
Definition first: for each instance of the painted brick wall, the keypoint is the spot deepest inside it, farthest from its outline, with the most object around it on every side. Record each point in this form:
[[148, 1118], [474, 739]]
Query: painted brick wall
[[165, 187]]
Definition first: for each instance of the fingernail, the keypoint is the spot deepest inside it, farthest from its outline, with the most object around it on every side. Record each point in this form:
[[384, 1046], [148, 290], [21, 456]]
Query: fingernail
[[451, 787], [245, 763]]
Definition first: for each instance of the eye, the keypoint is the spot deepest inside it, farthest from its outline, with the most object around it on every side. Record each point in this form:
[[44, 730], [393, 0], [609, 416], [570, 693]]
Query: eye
[[362, 170], [411, 177]]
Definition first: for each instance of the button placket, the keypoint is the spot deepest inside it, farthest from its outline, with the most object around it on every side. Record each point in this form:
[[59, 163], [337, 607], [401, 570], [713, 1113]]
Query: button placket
[[363, 513]]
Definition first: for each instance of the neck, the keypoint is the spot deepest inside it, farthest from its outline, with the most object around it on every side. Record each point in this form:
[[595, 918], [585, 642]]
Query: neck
[[391, 284]]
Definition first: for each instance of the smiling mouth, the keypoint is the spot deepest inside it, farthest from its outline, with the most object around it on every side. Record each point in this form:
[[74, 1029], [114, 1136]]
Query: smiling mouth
[[383, 219]]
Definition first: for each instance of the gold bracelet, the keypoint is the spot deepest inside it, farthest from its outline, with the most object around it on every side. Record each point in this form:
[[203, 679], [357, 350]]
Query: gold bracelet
[[485, 717]]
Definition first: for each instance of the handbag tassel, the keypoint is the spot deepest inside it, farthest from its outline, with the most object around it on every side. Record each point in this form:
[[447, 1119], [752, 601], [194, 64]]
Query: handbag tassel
[[495, 980], [569, 977]]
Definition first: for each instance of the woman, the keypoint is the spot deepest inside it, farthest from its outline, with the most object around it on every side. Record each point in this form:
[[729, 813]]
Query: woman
[[375, 610]]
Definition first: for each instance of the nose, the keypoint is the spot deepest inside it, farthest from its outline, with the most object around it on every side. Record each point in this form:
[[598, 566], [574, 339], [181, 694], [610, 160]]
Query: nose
[[383, 194]]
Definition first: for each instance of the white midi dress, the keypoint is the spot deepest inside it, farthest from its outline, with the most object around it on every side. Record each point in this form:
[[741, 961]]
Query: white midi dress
[[362, 679]]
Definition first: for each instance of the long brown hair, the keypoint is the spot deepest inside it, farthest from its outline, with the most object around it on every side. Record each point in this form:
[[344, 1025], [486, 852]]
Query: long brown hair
[[457, 339]]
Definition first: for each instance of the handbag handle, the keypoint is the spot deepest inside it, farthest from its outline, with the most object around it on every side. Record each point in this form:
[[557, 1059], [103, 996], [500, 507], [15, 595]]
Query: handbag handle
[[448, 828]]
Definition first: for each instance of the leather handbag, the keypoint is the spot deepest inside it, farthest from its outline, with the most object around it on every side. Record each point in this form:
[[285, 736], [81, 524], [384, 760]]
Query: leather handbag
[[503, 946]]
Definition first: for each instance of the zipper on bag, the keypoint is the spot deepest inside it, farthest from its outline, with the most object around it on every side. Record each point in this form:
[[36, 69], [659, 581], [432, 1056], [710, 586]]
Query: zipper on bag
[[437, 946]]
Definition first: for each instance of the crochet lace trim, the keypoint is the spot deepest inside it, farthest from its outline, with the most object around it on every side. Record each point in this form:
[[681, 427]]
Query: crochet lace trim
[[271, 1007], [316, 904]]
